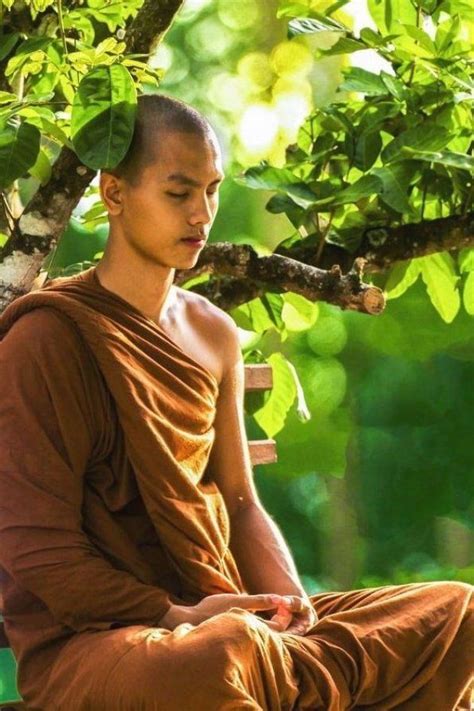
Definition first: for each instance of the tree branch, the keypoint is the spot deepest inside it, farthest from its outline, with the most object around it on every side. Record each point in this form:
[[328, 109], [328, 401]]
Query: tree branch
[[152, 22], [383, 246], [256, 275], [248, 276]]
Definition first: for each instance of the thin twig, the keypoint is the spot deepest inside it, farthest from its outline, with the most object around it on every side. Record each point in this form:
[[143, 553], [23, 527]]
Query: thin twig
[[322, 241], [8, 210], [61, 25]]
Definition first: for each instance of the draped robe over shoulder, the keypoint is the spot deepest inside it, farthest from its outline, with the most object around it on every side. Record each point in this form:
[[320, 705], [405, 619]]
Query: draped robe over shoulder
[[107, 518]]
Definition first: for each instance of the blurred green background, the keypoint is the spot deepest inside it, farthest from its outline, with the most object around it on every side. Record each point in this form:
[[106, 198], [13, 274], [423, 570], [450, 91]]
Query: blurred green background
[[377, 487]]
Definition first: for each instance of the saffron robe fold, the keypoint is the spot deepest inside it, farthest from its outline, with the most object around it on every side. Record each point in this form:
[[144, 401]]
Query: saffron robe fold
[[106, 518]]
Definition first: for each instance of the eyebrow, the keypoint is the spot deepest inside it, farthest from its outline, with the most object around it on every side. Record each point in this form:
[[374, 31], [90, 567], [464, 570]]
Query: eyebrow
[[186, 180]]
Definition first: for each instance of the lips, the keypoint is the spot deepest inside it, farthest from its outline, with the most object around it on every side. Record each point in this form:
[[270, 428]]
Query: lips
[[194, 241]]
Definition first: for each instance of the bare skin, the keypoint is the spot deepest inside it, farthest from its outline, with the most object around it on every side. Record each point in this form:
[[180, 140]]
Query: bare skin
[[148, 223]]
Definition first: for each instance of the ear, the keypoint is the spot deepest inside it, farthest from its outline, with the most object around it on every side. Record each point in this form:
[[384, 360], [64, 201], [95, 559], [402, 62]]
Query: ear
[[111, 192]]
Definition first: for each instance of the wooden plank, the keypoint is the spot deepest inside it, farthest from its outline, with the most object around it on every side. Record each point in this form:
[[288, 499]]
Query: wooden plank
[[263, 451], [258, 376]]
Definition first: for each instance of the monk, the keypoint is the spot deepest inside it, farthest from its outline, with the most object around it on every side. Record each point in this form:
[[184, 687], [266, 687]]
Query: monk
[[140, 570]]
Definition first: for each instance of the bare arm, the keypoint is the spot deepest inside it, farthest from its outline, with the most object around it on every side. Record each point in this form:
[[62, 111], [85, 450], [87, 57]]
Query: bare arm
[[263, 558]]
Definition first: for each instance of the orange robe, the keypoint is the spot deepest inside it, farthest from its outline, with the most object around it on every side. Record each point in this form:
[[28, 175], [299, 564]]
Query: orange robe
[[107, 517]]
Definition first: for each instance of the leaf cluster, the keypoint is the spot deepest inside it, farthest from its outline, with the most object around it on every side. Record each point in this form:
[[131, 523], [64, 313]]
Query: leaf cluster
[[396, 144], [63, 85]]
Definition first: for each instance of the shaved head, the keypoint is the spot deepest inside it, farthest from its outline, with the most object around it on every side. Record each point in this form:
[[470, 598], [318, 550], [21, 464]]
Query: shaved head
[[157, 116]]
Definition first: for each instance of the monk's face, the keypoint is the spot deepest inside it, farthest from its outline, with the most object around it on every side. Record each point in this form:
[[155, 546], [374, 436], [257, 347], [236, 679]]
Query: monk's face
[[175, 199]]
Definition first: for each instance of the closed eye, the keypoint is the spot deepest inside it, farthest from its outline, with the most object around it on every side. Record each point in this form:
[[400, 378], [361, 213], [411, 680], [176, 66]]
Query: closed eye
[[183, 195]]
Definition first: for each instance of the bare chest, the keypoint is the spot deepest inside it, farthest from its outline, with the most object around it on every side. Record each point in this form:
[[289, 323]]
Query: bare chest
[[183, 325]]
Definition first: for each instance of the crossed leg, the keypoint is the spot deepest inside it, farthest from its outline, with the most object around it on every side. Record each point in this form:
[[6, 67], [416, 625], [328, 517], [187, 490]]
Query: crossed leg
[[408, 647]]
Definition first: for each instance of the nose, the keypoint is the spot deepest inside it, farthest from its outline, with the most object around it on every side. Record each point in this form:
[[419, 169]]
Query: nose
[[202, 212]]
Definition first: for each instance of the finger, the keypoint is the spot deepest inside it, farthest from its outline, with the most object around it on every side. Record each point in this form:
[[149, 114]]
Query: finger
[[260, 602], [302, 624], [297, 627], [296, 604], [278, 627], [283, 620]]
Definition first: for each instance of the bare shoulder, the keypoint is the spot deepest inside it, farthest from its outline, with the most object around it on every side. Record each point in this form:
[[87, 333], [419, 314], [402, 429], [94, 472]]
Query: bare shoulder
[[214, 326], [209, 318]]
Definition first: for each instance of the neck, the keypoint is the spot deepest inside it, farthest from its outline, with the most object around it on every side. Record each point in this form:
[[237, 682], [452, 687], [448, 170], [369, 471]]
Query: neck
[[145, 285]]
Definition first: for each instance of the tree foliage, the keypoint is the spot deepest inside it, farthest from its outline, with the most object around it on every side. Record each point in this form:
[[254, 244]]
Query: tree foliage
[[395, 147]]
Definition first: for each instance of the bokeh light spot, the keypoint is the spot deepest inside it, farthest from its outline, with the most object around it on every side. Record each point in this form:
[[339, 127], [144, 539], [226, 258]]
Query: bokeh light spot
[[238, 15], [291, 109], [209, 39], [258, 127], [256, 67], [291, 58], [227, 92]]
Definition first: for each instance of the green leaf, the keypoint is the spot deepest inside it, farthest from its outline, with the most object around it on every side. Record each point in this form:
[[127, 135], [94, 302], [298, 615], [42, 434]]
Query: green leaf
[[76, 19], [357, 79], [41, 169], [103, 116], [6, 97], [456, 160], [97, 210], [274, 306], [367, 150], [292, 9], [375, 116], [466, 260], [375, 39], [47, 79], [394, 85], [395, 183], [337, 117], [23, 52], [7, 42], [282, 203], [439, 274], [271, 417], [344, 45], [264, 177], [260, 314], [43, 121], [468, 294], [281, 179], [423, 39], [364, 187], [298, 312], [387, 14], [446, 34], [302, 409], [317, 23], [401, 277], [420, 138], [19, 148], [41, 5]]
